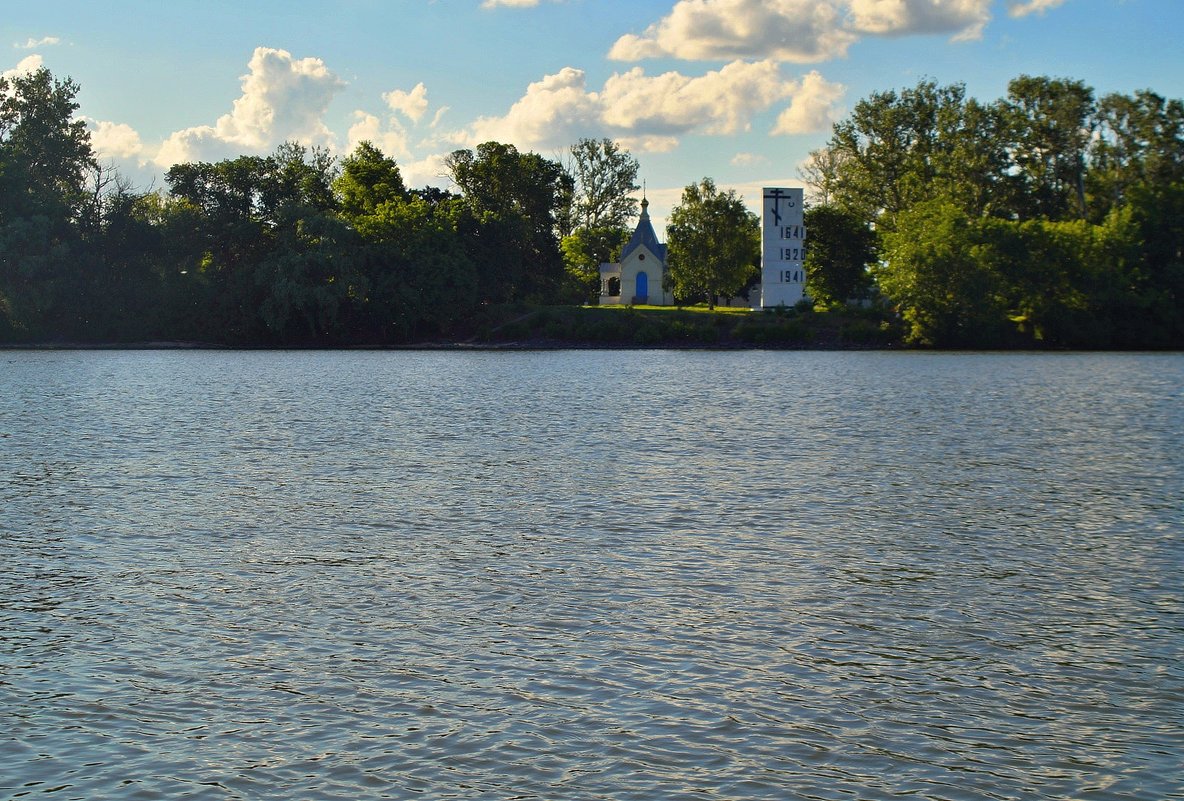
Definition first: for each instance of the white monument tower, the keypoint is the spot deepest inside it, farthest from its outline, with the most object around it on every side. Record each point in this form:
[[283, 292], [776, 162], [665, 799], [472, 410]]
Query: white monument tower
[[783, 248]]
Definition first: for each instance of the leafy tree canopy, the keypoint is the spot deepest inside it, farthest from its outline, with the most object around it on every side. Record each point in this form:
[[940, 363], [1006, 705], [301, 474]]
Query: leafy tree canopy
[[713, 246]]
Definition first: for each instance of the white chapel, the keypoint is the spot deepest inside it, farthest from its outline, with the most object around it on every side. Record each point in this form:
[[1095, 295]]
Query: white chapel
[[639, 278]]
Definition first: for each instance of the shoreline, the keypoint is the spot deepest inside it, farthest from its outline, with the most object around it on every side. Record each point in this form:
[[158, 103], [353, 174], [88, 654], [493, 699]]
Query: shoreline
[[553, 345]]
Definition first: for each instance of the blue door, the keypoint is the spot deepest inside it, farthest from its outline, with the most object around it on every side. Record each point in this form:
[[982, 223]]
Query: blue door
[[643, 287]]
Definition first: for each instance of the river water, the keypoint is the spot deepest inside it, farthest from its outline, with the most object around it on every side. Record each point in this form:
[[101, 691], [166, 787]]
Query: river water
[[591, 575]]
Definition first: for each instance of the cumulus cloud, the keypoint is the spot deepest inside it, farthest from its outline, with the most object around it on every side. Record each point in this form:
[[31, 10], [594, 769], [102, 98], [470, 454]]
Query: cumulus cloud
[[393, 133], [720, 102], [748, 160], [45, 41], [648, 144], [390, 137], [283, 98], [429, 171], [411, 104], [798, 31], [26, 66], [550, 112], [1016, 8], [785, 30], [814, 107], [965, 19], [648, 113], [114, 140]]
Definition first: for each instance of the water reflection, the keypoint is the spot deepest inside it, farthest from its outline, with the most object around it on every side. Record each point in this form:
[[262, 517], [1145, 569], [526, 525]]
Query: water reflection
[[588, 576]]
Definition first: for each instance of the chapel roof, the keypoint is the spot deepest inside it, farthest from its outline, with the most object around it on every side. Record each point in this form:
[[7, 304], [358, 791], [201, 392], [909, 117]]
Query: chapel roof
[[644, 235]]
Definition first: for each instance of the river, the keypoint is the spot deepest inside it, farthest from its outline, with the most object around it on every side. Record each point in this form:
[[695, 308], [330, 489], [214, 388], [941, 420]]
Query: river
[[591, 575]]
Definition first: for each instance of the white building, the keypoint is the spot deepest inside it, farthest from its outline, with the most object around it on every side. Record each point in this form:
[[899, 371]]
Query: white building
[[640, 276], [783, 248]]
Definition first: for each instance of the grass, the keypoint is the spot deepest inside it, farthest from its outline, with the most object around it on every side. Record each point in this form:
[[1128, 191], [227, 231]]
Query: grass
[[701, 307], [694, 326]]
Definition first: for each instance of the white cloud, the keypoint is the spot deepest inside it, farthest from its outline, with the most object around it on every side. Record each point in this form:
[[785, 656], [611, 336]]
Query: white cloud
[[550, 112], [114, 140], [648, 113], [26, 66], [648, 144], [429, 171], [748, 160], [45, 41], [389, 137], [393, 135], [721, 102], [965, 19], [814, 107], [411, 104], [1016, 8], [797, 31], [282, 99]]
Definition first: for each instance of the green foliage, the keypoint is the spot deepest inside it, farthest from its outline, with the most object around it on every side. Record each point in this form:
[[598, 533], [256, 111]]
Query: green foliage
[[841, 249], [421, 277], [898, 149], [45, 156], [1045, 218], [510, 226], [45, 153], [941, 276], [714, 243], [583, 252], [604, 176], [1051, 124], [368, 179]]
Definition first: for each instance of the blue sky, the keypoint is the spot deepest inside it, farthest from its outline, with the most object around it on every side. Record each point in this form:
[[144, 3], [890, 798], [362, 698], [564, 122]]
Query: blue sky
[[737, 90]]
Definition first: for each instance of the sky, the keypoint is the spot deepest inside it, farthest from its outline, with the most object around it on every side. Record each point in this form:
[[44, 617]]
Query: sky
[[736, 90]]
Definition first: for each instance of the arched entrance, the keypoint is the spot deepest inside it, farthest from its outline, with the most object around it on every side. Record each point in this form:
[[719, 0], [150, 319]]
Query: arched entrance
[[643, 288]]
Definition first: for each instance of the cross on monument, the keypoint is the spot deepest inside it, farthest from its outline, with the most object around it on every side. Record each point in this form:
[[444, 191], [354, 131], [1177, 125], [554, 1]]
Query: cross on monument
[[776, 196]]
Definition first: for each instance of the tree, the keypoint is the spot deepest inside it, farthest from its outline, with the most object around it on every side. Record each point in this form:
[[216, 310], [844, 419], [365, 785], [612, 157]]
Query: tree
[[418, 277], [45, 156], [421, 278], [713, 246], [821, 173], [368, 179], [604, 178], [1051, 128], [510, 228], [595, 223], [45, 153], [841, 248], [584, 250], [941, 280], [1139, 142], [888, 154]]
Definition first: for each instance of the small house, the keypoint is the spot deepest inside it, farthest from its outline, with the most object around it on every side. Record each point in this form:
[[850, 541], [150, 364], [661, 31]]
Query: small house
[[640, 277]]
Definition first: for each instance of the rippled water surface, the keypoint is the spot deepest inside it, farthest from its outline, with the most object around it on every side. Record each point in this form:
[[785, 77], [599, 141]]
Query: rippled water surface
[[587, 575]]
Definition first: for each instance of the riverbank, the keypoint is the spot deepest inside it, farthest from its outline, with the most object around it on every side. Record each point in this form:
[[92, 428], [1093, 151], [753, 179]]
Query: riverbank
[[725, 328], [525, 326]]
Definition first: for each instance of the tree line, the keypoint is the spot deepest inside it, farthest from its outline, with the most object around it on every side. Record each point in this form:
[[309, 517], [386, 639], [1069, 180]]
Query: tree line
[[1046, 218], [1049, 217], [293, 248]]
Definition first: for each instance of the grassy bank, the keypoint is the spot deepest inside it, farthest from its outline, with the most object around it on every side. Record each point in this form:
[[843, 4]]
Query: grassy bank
[[652, 326]]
